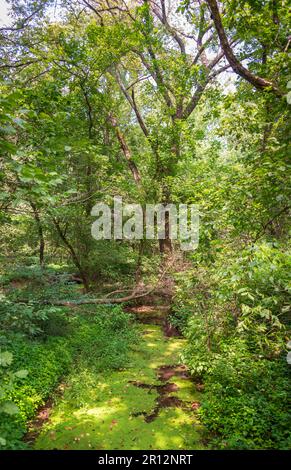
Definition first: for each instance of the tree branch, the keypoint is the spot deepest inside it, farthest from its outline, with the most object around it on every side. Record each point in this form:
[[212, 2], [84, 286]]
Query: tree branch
[[108, 300], [163, 19], [126, 151], [258, 82], [157, 75], [132, 103]]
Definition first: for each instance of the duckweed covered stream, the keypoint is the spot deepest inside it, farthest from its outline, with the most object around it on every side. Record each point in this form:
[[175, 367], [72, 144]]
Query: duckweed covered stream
[[152, 404]]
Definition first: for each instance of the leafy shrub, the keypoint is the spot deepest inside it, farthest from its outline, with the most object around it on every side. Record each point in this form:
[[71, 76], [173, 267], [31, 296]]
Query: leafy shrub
[[236, 329], [102, 338], [45, 292], [107, 342], [22, 318], [58, 322], [7, 380], [245, 405], [24, 310], [21, 273], [259, 283], [34, 319], [45, 363]]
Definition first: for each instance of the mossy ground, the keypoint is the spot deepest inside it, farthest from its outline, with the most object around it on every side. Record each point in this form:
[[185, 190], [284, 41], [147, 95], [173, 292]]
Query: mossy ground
[[107, 411]]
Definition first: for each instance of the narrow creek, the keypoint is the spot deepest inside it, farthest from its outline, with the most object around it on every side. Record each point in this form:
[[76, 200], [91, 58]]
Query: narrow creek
[[152, 404]]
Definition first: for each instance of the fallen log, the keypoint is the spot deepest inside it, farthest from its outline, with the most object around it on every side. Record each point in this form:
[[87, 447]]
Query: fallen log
[[107, 300], [104, 300]]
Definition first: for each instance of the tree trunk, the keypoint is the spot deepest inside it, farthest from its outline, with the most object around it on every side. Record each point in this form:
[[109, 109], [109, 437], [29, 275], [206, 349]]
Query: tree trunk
[[165, 244], [40, 234], [75, 258], [126, 151]]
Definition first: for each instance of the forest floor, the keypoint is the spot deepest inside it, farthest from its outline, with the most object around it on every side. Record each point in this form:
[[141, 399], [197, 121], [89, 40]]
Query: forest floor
[[152, 404]]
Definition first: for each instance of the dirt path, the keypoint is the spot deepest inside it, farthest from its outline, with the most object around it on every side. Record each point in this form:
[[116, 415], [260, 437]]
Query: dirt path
[[150, 405]]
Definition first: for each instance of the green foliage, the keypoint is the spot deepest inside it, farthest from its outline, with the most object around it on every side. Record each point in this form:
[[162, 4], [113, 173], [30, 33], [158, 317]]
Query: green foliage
[[21, 308], [107, 342], [8, 121], [8, 380], [103, 339], [236, 316], [246, 404], [260, 281], [22, 318], [23, 273], [45, 363], [124, 103]]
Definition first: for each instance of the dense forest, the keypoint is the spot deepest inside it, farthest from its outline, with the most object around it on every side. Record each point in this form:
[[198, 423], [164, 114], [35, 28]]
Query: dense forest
[[134, 343]]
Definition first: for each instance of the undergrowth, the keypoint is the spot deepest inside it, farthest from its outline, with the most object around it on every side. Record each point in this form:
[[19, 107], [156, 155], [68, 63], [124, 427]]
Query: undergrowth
[[47, 352]]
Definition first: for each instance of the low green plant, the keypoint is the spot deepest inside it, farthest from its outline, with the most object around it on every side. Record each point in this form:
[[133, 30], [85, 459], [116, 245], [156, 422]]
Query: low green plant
[[8, 378], [246, 400], [23, 318], [102, 337], [23, 273]]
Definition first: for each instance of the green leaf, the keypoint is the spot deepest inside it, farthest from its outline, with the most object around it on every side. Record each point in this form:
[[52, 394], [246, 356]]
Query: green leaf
[[6, 358], [21, 374], [9, 408]]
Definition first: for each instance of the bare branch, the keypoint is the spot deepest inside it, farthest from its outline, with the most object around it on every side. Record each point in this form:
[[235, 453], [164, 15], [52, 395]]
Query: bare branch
[[24, 21], [138, 80], [163, 19], [132, 103], [18, 64]]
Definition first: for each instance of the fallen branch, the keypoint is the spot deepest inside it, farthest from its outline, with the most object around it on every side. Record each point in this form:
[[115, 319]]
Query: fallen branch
[[104, 300], [107, 300], [118, 291]]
